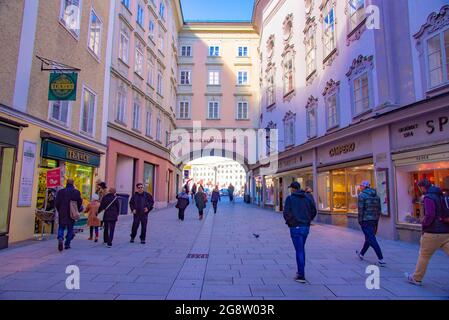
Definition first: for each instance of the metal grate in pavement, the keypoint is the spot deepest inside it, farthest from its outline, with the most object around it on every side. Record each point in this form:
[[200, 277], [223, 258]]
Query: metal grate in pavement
[[197, 256]]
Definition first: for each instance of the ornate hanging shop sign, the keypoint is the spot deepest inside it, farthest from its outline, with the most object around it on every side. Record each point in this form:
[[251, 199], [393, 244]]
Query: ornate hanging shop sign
[[62, 86]]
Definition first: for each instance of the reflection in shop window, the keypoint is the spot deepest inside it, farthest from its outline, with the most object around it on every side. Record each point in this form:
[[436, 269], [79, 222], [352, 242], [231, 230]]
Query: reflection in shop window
[[324, 191], [410, 200]]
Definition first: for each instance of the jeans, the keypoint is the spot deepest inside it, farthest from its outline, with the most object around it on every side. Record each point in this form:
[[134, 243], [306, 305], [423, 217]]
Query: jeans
[[108, 232], [215, 205], [369, 229], [299, 237], [70, 234], [139, 220], [181, 214], [430, 243]]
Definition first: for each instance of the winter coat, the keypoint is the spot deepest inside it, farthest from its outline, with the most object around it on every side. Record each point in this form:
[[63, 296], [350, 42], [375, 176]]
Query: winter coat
[[369, 206], [432, 211], [140, 202], [215, 196], [231, 190], [299, 209], [92, 210], [62, 204], [183, 200], [112, 213], [200, 200]]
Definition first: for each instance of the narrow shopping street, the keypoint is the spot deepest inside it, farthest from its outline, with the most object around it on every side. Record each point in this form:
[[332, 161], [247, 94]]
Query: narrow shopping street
[[238, 266]]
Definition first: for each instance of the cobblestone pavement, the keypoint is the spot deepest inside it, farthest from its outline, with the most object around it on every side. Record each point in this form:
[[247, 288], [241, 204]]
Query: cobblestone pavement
[[239, 265]]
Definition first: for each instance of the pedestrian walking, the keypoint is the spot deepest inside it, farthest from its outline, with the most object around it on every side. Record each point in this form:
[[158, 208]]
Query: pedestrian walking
[[368, 215], [111, 207], [193, 191], [183, 202], [93, 222], [200, 201], [215, 198], [435, 229], [67, 202], [231, 192], [299, 212], [141, 204]]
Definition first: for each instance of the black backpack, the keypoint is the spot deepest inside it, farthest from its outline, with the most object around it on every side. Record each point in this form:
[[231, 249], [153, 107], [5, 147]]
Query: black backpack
[[444, 216]]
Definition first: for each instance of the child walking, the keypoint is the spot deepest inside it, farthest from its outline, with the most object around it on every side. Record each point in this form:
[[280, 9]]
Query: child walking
[[93, 221]]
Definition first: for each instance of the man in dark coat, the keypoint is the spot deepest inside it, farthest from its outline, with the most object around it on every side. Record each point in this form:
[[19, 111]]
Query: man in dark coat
[[111, 206], [369, 214], [183, 202], [299, 212], [62, 205], [141, 204]]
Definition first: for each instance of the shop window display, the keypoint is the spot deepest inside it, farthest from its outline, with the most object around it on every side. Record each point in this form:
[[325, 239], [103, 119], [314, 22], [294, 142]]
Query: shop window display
[[269, 191], [410, 198], [148, 176], [83, 178], [6, 171], [324, 191]]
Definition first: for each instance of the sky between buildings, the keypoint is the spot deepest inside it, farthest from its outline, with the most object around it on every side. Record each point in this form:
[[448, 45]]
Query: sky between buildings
[[222, 10]]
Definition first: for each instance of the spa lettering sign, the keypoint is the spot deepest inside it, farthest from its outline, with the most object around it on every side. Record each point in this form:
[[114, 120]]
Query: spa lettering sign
[[342, 149]]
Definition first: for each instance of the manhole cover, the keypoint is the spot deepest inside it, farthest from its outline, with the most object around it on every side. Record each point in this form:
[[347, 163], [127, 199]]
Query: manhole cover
[[197, 256]]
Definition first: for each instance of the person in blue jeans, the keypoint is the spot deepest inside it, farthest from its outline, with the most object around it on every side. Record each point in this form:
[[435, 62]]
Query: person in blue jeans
[[299, 212], [368, 215], [62, 205]]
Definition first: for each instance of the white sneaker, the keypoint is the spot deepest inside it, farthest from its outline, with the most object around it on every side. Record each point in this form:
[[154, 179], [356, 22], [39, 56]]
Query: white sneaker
[[359, 255], [412, 280]]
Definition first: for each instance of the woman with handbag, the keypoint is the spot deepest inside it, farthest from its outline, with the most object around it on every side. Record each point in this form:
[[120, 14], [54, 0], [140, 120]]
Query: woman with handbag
[[183, 202], [200, 201], [111, 207], [93, 221]]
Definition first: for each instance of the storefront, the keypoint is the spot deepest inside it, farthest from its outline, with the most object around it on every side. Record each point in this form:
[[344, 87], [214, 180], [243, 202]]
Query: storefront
[[421, 151], [268, 191], [9, 140], [258, 190], [75, 162]]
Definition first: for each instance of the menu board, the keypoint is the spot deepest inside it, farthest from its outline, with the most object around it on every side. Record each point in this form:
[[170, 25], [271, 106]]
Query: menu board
[[27, 174]]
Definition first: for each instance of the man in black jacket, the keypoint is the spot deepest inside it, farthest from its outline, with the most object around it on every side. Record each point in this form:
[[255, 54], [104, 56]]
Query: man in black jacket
[[299, 212], [62, 205], [141, 204]]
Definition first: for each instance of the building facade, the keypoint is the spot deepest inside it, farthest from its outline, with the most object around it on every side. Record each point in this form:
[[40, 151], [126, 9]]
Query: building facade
[[38, 134], [142, 99], [356, 94]]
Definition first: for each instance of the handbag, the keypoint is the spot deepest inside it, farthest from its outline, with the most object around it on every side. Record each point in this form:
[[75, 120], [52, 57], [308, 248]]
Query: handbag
[[100, 215], [74, 213]]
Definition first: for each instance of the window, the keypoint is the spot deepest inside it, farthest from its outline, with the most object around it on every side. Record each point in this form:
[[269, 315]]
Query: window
[[151, 28], [243, 51], [288, 73], [94, 34], [289, 129], [125, 3], [242, 111], [124, 44], [438, 59], [160, 84], [140, 15], [329, 28], [136, 115], [332, 111], [138, 66], [213, 110], [150, 70], [186, 51], [242, 78], [361, 94], [214, 78], [310, 51], [161, 42], [356, 13], [271, 87], [184, 110], [162, 10], [186, 77], [158, 129], [59, 111], [148, 121], [121, 106], [311, 122], [88, 112], [214, 51], [71, 15]]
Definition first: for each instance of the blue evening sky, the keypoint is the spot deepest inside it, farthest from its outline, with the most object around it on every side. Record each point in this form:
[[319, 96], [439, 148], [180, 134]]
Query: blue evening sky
[[227, 10]]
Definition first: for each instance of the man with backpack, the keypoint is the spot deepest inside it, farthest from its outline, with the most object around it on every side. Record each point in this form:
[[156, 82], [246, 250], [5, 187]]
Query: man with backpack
[[435, 227], [369, 214], [141, 204], [299, 212]]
